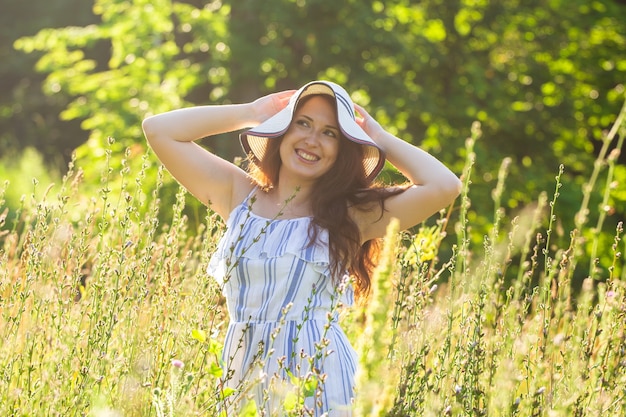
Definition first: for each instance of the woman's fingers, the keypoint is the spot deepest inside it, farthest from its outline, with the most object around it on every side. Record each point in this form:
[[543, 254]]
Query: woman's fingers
[[267, 106], [362, 114], [281, 99], [367, 122], [361, 110]]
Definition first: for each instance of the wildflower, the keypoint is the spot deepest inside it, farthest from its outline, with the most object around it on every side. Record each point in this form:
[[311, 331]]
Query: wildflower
[[176, 363], [424, 246]]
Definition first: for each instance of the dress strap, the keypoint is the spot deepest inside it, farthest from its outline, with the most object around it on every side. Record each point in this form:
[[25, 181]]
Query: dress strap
[[245, 204], [250, 194]]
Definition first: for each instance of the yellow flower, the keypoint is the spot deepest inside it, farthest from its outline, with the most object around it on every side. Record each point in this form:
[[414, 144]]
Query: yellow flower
[[424, 245]]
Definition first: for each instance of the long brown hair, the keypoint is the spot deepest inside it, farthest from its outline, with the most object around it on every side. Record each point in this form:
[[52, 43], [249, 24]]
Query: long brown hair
[[345, 185]]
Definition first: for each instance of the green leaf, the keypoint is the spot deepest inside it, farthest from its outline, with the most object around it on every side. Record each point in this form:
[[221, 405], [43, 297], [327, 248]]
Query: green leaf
[[227, 392], [310, 386], [199, 335], [294, 379], [215, 347], [215, 370], [435, 31], [249, 410], [291, 401]]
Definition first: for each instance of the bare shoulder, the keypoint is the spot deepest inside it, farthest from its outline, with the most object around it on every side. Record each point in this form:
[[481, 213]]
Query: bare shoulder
[[410, 205], [242, 186], [371, 207]]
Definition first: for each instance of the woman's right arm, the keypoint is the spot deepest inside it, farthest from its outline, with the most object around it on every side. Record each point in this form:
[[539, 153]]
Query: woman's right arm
[[208, 177]]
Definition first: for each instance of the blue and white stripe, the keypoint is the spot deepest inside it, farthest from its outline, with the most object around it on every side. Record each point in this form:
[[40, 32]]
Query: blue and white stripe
[[282, 303]]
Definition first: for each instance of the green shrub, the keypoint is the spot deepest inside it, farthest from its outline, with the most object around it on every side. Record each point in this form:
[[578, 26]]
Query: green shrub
[[24, 174]]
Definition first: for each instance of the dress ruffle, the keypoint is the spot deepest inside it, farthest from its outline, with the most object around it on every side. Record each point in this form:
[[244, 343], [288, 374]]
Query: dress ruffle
[[256, 237]]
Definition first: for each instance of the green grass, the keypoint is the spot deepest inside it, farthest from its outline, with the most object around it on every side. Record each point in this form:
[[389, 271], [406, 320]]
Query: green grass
[[106, 312]]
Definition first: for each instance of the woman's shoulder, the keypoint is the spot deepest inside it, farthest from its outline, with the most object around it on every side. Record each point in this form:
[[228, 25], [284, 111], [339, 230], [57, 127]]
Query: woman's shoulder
[[368, 205], [242, 191], [372, 198]]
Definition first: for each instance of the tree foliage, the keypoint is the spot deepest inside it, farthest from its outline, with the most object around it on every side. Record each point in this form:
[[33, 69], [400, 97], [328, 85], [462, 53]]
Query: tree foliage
[[29, 118], [544, 78]]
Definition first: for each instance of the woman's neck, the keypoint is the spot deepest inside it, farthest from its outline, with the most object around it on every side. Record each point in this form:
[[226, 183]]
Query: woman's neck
[[292, 199]]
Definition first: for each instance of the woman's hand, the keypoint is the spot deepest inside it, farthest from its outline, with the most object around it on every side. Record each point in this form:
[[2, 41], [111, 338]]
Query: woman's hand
[[433, 187], [267, 106], [373, 129], [211, 179]]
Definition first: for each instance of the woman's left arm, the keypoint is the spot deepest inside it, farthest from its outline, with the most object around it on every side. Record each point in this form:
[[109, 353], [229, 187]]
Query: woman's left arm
[[432, 185]]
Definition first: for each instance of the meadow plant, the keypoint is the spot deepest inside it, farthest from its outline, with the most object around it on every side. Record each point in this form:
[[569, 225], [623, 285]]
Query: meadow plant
[[97, 299], [500, 341], [104, 310]]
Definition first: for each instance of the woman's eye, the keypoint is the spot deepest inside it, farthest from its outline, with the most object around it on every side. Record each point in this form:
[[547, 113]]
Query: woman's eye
[[331, 133], [302, 122]]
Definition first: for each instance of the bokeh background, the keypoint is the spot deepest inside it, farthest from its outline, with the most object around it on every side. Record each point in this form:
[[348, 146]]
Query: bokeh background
[[544, 78]]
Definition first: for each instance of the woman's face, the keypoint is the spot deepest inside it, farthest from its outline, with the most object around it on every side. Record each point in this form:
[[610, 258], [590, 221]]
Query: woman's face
[[311, 145]]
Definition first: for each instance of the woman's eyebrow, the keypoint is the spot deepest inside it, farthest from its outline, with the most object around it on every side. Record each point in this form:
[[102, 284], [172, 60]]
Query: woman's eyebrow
[[311, 120]]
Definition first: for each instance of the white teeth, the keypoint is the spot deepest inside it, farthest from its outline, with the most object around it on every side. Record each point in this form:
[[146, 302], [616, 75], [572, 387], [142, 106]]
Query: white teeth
[[307, 156]]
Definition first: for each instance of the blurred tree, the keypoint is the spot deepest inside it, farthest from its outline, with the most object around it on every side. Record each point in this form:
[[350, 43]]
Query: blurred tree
[[544, 78], [148, 69], [27, 116]]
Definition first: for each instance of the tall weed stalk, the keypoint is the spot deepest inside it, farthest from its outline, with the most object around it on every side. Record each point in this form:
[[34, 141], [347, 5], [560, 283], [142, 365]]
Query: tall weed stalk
[[105, 311], [496, 341]]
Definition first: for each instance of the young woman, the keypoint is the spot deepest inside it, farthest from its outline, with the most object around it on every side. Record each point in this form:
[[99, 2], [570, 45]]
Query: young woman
[[302, 229]]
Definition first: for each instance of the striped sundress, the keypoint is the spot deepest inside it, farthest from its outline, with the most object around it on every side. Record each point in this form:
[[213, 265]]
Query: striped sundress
[[284, 348]]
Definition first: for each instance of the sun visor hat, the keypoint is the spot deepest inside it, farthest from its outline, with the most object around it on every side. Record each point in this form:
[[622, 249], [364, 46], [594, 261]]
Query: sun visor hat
[[254, 141]]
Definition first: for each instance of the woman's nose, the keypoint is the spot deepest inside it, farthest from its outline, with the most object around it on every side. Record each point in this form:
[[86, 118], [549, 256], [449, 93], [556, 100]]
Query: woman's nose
[[312, 139]]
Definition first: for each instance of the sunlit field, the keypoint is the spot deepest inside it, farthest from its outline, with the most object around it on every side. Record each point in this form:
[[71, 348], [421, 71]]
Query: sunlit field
[[105, 311]]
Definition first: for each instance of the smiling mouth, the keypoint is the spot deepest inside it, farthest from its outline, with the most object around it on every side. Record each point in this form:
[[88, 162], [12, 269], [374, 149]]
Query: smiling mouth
[[307, 156]]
